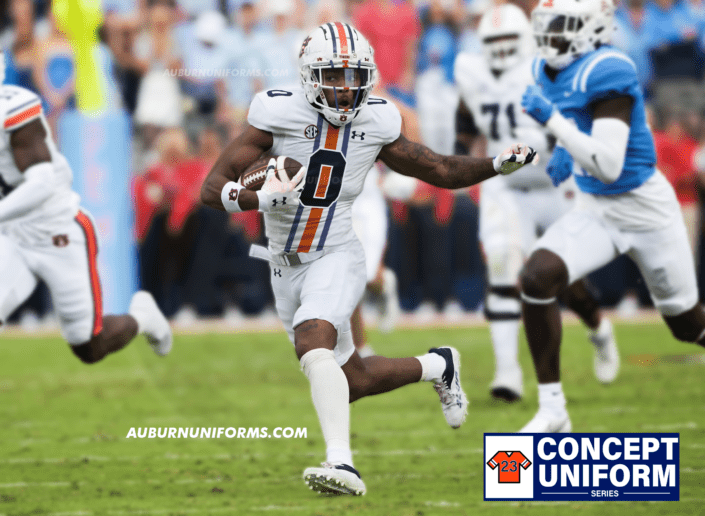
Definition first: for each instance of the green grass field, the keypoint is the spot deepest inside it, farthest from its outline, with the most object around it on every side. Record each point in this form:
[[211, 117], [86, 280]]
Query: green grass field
[[63, 446]]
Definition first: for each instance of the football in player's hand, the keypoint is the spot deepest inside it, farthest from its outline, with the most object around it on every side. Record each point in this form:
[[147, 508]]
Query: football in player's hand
[[253, 178]]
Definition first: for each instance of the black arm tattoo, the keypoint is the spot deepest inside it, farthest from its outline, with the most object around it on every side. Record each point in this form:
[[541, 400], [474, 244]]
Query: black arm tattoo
[[416, 160]]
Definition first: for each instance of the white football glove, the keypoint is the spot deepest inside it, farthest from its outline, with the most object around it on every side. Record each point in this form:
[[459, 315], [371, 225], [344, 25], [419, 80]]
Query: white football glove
[[515, 157], [278, 191]]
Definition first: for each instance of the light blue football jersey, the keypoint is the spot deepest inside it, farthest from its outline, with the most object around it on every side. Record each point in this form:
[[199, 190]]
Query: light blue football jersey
[[600, 75]]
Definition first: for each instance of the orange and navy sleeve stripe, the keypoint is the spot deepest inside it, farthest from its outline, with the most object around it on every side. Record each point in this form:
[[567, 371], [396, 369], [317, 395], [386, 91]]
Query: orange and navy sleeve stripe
[[20, 115], [92, 250], [526, 462]]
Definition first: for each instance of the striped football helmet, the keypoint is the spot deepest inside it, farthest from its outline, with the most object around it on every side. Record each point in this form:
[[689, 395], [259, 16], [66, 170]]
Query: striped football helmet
[[337, 46], [505, 33]]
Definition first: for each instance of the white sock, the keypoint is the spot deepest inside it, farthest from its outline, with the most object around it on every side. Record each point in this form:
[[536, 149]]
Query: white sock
[[505, 341], [432, 367], [339, 455], [389, 281], [603, 331], [331, 395], [551, 397], [141, 317]]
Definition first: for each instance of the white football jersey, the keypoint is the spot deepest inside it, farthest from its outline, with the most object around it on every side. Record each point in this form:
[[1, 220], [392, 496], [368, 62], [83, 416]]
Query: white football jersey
[[18, 107], [495, 104], [337, 160]]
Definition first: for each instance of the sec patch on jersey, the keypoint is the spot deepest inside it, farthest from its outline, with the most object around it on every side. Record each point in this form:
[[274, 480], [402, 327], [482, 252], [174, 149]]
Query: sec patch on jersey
[[253, 178]]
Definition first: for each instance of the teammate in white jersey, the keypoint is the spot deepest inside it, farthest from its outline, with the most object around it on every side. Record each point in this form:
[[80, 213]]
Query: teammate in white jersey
[[516, 209], [45, 235], [587, 94], [337, 131]]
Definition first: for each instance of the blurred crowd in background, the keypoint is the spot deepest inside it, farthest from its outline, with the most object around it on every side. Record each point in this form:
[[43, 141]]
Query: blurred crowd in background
[[187, 70]]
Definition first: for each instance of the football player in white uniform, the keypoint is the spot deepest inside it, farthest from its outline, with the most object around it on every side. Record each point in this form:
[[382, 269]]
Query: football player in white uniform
[[587, 94], [516, 209], [337, 131], [45, 235]]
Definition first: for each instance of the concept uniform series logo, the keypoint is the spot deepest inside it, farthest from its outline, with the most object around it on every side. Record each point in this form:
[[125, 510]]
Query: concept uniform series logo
[[626, 467]]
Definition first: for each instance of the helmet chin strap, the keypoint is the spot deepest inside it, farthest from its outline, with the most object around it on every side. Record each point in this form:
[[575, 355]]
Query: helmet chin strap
[[332, 118]]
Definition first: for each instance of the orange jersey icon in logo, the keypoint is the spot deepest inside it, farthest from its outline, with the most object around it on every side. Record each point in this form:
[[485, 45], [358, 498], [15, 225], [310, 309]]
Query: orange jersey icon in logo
[[509, 464]]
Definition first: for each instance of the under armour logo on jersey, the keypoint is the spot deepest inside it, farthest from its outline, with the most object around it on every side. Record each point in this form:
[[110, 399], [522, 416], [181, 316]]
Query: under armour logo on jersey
[[232, 196], [275, 202], [277, 272], [355, 135]]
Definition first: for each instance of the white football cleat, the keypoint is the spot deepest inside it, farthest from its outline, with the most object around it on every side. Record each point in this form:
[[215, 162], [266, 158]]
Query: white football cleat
[[453, 399], [390, 309], [339, 479], [546, 422], [606, 362], [152, 322], [508, 385]]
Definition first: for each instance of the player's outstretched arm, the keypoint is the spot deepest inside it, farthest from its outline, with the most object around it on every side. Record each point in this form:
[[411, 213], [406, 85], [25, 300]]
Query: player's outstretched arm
[[416, 160], [240, 154], [33, 159], [602, 152]]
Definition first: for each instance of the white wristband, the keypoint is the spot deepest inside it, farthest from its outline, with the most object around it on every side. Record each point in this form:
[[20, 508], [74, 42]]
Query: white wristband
[[263, 201], [229, 197]]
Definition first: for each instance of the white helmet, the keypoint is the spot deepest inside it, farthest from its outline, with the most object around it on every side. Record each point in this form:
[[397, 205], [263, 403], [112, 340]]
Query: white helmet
[[505, 33], [567, 29], [337, 45]]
